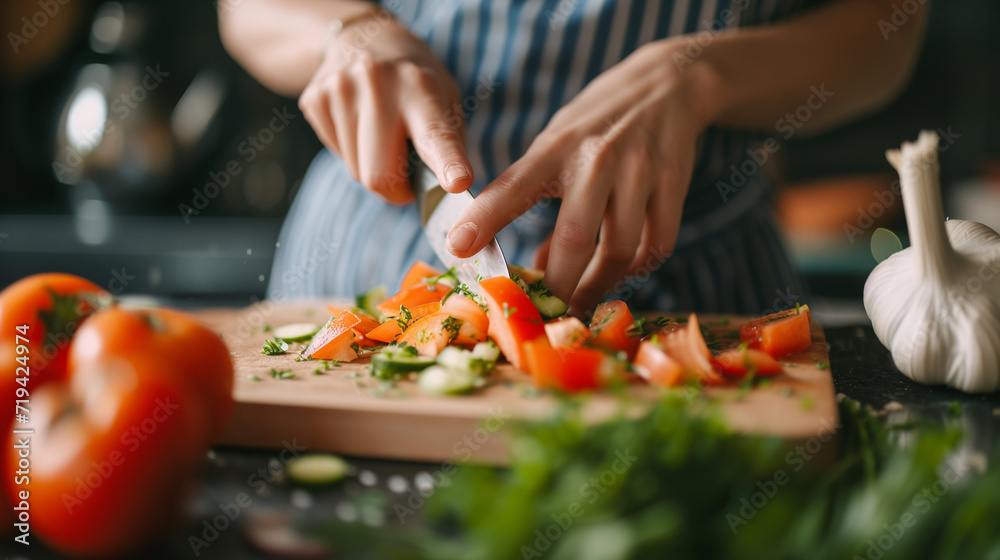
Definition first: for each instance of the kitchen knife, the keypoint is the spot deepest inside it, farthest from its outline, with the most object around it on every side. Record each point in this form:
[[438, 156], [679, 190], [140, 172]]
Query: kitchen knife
[[439, 210]]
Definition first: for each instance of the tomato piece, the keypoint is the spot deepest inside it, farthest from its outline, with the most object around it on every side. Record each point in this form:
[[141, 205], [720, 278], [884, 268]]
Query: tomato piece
[[568, 369], [514, 320], [432, 333], [193, 355], [739, 362], [567, 332], [610, 327], [390, 330], [413, 297], [656, 367], [365, 325], [114, 457], [335, 340], [780, 334], [475, 321], [419, 273], [687, 346]]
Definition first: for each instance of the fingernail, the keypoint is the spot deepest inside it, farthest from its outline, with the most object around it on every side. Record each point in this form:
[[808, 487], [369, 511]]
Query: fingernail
[[454, 172], [460, 239]]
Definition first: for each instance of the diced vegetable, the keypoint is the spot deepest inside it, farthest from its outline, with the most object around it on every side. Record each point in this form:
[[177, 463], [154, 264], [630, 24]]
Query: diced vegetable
[[432, 333], [296, 332], [336, 340], [368, 301], [486, 351], [395, 361], [780, 334], [528, 275], [610, 326], [549, 306], [475, 322], [514, 320], [459, 370], [413, 297], [687, 346], [419, 273], [656, 367], [438, 380], [391, 330], [742, 361], [568, 369], [317, 469], [567, 332], [365, 325]]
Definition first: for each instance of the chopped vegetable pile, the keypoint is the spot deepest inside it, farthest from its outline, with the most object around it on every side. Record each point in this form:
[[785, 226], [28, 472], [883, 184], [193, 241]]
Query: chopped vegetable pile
[[449, 338]]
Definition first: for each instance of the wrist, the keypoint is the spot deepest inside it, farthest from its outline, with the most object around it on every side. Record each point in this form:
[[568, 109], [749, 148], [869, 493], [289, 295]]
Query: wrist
[[689, 65], [349, 25]]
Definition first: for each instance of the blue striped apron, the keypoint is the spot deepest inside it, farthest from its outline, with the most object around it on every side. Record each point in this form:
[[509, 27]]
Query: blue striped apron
[[516, 62]]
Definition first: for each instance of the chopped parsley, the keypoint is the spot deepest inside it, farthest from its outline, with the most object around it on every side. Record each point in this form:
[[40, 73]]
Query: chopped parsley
[[282, 373], [404, 318], [274, 347]]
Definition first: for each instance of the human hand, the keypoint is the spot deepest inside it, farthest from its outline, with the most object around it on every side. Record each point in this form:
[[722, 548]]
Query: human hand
[[374, 91], [620, 156]]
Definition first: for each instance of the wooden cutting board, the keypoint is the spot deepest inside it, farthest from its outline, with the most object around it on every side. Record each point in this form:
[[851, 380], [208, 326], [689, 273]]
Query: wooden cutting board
[[344, 410]]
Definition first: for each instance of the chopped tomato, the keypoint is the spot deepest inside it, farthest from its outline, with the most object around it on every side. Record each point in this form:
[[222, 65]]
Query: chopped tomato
[[529, 275], [739, 362], [610, 326], [390, 330], [568, 369], [780, 334], [335, 341], [687, 346], [514, 320], [412, 297], [655, 366], [475, 322], [567, 332], [432, 333], [365, 325], [419, 273]]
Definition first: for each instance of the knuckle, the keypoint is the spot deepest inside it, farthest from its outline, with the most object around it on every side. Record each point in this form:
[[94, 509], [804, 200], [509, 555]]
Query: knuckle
[[617, 254]]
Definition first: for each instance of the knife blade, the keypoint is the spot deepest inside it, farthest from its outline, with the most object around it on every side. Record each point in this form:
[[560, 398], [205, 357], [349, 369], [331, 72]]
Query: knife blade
[[439, 210]]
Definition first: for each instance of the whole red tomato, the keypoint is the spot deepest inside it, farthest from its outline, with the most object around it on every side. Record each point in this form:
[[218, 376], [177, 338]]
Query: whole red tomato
[[191, 355], [53, 306], [109, 460]]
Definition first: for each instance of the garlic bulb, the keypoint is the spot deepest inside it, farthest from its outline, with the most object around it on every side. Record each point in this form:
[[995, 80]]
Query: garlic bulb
[[936, 305]]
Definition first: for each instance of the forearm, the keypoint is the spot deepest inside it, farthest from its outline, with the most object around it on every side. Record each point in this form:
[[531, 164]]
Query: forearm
[[757, 76], [279, 42]]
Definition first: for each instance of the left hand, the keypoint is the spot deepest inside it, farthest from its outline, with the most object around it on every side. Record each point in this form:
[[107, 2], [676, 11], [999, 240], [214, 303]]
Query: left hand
[[620, 156]]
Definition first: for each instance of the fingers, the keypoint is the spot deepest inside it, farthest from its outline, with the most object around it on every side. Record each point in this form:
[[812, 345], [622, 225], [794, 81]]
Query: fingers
[[542, 254], [513, 193], [345, 119], [621, 232], [575, 235], [315, 105], [381, 145], [436, 130]]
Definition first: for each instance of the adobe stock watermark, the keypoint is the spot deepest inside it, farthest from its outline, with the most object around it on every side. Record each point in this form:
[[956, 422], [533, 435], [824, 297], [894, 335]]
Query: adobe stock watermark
[[787, 125], [920, 504], [122, 106], [249, 149], [31, 25], [132, 438], [901, 14], [561, 13], [885, 199], [231, 511], [463, 449], [796, 459], [590, 491]]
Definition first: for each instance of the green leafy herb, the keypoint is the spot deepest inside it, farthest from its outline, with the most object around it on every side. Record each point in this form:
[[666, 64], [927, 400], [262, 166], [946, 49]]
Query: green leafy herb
[[451, 327], [508, 311], [266, 328], [253, 377], [450, 278], [274, 347], [822, 365], [282, 373], [404, 318], [807, 403]]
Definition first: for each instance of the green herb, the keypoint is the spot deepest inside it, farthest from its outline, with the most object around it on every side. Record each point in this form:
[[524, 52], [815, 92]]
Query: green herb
[[253, 377], [266, 328], [479, 277], [807, 403], [450, 277], [763, 383], [508, 311], [822, 365], [954, 408], [743, 347], [404, 318], [274, 347], [465, 291], [318, 371], [331, 364], [451, 327], [351, 375], [282, 373], [723, 321]]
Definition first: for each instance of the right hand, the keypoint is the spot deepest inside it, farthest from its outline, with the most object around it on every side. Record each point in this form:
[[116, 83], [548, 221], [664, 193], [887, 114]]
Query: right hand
[[372, 92]]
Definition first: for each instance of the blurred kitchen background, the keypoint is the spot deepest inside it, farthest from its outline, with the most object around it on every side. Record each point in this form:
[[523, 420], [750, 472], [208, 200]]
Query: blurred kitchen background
[[136, 153]]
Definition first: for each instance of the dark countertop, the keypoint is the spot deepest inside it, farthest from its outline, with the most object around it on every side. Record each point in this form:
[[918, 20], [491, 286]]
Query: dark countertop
[[862, 370]]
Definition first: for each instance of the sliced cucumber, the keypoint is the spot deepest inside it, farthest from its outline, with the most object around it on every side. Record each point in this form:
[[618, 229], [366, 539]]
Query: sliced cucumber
[[296, 332], [487, 351], [440, 380], [394, 362], [369, 300], [549, 306], [318, 469], [529, 275]]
